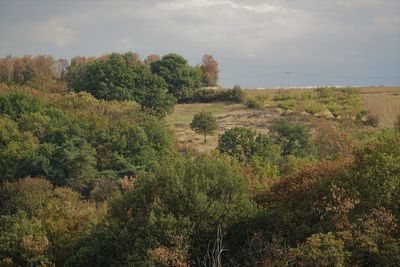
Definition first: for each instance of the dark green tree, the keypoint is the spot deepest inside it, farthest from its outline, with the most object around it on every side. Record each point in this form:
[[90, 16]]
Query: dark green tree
[[293, 138], [18, 104], [153, 97], [245, 143], [124, 77], [182, 79], [78, 160]]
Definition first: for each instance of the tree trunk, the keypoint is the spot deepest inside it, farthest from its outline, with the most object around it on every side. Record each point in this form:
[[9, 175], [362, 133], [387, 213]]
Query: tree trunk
[[205, 140]]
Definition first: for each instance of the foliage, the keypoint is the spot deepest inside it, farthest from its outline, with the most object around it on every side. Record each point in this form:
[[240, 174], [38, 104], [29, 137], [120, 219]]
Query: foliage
[[313, 107], [287, 104], [42, 225], [123, 77], [208, 95], [236, 94], [293, 138], [17, 104], [182, 204], [323, 250], [182, 80], [204, 123], [315, 195], [257, 103], [28, 195], [245, 143], [23, 240], [210, 70], [74, 139], [42, 72], [330, 141], [17, 150]]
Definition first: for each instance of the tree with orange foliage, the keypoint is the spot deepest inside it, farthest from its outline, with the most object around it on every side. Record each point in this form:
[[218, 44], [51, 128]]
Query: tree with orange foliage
[[210, 70], [151, 58]]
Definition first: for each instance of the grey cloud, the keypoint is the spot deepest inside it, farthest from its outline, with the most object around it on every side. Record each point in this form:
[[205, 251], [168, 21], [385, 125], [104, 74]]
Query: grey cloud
[[249, 38]]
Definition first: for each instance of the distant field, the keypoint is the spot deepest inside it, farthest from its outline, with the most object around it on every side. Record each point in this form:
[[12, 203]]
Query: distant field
[[299, 91], [384, 102]]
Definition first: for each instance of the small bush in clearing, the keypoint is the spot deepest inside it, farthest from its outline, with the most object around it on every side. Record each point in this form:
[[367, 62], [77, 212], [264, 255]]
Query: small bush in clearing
[[334, 108], [258, 102], [287, 104], [313, 107]]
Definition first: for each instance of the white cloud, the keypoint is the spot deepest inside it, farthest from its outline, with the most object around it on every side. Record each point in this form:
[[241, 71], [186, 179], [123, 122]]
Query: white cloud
[[55, 30], [245, 29]]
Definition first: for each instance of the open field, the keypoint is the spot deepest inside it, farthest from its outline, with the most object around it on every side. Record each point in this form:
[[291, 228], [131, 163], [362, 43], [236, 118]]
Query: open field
[[298, 91], [383, 102], [227, 115]]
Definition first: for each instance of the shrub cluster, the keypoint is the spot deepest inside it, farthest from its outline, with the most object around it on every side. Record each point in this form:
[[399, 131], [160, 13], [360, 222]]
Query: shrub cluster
[[209, 95], [77, 139]]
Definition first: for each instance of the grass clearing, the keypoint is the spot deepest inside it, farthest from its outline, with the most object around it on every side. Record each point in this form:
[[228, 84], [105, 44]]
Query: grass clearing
[[384, 101], [386, 107], [183, 113]]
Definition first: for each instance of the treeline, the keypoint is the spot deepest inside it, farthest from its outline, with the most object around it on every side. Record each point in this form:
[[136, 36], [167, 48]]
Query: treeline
[[42, 71], [155, 83]]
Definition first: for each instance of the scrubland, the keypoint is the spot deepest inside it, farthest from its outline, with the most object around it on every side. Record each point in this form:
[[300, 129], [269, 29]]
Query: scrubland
[[99, 167]]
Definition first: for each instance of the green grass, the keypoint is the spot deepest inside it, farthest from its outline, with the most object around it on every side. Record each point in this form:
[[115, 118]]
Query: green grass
[[183, 113]]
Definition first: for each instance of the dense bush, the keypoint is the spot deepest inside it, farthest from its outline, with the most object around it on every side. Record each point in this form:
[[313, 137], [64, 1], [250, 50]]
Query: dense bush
[[255, 102], [313, 107], [343, 213], [245, 143], [17, 104], [123, 77], [179, 208], [207, 95], [182, 80], [293, 138], [287, 104], [71, 143], [40, 225]]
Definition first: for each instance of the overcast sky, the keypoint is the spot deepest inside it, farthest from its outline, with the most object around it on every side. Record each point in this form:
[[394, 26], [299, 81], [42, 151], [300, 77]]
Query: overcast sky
[[320, 42]]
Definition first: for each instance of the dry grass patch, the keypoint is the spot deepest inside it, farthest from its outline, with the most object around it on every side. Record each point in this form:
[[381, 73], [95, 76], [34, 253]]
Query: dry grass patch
[[227, 115], [386, 107]]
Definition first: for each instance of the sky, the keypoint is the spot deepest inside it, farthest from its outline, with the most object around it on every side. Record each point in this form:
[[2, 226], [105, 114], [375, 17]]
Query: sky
[[257, 43]]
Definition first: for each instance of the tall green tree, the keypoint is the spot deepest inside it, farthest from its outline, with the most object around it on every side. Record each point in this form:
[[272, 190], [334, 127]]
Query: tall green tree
[[245, 143], [182, 79], [124, 77], [204, 123], [78, 160], [294, 138]]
